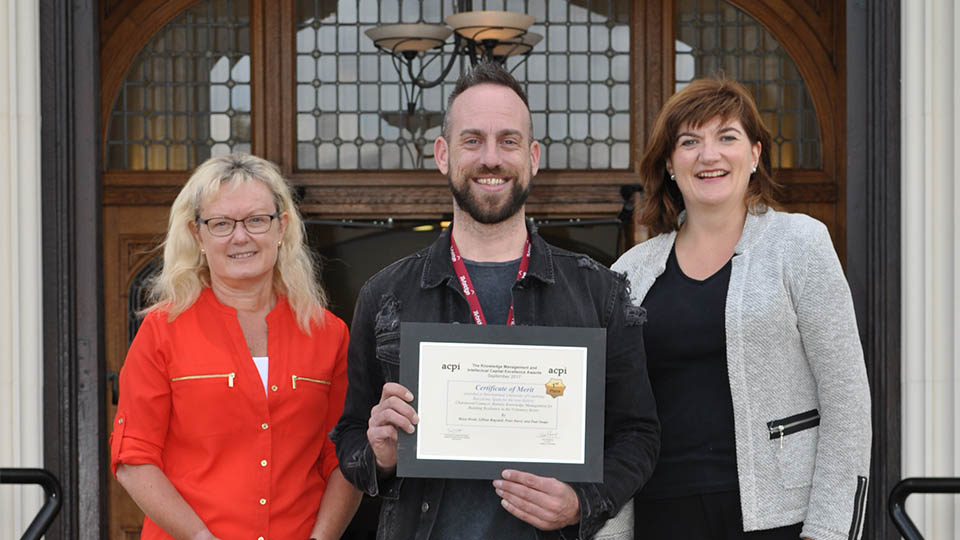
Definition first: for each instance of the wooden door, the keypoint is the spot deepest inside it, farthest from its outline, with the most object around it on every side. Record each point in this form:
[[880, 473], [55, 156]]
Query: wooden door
[[150, 118], [131, 237]]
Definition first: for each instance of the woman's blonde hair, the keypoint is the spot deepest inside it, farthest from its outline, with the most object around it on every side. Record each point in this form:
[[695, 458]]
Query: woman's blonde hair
[[185, 272]]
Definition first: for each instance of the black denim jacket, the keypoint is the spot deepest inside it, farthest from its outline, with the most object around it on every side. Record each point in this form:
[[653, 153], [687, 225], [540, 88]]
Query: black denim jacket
[[560, 289]]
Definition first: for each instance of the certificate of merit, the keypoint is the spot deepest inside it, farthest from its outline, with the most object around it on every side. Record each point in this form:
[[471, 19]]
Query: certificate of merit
[[497, 397], [497, 402]]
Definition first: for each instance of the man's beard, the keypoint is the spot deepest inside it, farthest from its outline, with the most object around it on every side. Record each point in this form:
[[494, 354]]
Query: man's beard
[[473, 205]]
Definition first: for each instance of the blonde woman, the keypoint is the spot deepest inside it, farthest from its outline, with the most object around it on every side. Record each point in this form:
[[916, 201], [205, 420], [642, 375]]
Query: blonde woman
[[237, 374]]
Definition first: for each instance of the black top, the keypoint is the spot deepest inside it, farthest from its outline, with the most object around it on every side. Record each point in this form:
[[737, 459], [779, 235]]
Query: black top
[[470, 509], [685, 340]]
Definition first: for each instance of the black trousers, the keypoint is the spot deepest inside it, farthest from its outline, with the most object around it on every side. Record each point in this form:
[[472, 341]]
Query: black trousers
[[712, 516]]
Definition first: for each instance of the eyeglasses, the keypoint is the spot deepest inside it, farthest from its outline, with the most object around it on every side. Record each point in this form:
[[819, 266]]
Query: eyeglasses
[[255, 224]]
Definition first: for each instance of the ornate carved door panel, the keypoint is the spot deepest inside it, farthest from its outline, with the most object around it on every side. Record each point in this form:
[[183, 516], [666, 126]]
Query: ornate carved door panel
[[131, 237]]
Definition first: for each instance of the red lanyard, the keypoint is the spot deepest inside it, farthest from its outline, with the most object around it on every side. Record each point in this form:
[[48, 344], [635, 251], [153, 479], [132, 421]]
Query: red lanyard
[[470, 293]]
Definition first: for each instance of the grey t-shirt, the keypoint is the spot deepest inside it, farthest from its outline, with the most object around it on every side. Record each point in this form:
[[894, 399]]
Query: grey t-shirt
[[493, 282]]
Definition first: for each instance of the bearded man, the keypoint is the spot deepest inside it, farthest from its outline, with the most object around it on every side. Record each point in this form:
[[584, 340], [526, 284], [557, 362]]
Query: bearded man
[[489, 155]]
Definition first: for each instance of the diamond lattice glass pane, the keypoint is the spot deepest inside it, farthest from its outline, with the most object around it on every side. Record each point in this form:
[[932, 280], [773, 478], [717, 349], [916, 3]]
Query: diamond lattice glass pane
[[715, 37], [188, 90], [341, 77]]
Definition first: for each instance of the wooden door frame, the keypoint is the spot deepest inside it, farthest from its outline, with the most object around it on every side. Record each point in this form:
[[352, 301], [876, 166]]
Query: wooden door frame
[[74, 431], [873, 231]]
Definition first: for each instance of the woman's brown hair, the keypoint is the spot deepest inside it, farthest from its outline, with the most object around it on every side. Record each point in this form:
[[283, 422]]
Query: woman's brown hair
[[698, 103]]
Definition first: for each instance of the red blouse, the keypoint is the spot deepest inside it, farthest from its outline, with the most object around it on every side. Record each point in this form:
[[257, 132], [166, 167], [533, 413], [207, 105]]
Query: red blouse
[[192, 403]]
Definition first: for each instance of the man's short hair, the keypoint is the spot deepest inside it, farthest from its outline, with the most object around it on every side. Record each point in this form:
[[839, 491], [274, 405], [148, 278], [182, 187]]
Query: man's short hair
[[485, 72]]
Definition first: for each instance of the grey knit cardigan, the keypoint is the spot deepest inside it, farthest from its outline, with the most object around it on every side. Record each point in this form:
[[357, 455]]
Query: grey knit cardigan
[[793, 352]]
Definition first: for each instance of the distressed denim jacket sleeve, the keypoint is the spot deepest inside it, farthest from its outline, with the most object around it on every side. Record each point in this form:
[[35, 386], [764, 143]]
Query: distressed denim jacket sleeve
[[366, 378]]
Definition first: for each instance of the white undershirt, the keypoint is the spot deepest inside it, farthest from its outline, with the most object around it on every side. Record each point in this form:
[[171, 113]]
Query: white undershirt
[[262, 362]]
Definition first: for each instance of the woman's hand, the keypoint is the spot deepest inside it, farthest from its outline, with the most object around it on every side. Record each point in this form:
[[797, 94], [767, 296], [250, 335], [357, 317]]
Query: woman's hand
[[205, 534]]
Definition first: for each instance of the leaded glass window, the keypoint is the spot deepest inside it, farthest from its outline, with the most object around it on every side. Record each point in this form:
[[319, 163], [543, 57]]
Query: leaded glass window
[[351, 106], [138, 295], [714, 36], [187, 96]]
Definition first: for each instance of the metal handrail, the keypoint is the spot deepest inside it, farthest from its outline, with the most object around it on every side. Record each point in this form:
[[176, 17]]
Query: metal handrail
[[908, 486], [51, 488]]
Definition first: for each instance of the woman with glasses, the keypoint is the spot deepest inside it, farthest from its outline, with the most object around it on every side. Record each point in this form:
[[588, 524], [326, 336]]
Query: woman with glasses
[[237, 374]]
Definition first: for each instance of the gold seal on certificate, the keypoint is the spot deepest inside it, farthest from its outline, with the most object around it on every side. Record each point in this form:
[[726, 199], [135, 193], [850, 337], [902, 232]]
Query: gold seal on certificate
[[496, 397], [555, 388]]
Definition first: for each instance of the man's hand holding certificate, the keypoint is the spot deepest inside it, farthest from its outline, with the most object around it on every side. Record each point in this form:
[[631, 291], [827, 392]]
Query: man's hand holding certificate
[[392, 413]]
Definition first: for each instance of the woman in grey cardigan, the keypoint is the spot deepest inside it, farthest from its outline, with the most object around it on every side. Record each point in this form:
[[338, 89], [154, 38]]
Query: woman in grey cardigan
[[751, 341]]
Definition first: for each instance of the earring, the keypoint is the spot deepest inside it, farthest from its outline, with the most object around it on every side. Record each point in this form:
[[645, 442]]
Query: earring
[[279, 243], [203, 252], [754, 170], [673, 177]]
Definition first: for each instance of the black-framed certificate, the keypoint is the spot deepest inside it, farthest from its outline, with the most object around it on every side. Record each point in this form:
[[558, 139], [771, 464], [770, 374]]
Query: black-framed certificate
[[493, 397]]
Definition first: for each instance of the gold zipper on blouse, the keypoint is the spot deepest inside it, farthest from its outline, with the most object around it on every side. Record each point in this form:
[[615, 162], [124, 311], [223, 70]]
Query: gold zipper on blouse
[[229, 376], [308, 379]]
